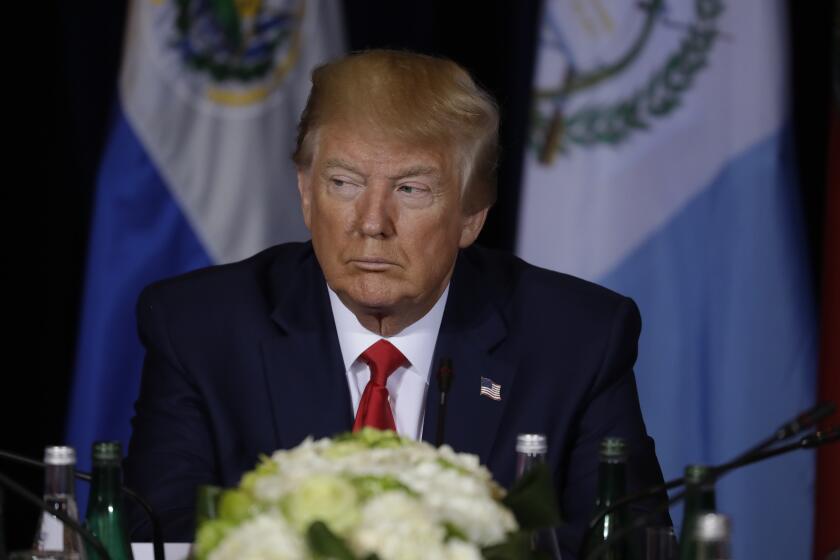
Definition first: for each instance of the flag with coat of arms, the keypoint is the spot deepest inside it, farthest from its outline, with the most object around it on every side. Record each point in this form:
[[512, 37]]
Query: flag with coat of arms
[[196, 171], [661, 165]]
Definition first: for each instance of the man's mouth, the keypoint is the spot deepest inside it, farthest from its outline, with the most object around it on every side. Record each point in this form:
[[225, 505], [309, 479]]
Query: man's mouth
[[372, 264]]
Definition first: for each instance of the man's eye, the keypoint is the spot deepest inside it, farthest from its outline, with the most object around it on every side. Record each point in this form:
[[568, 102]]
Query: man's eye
[[411, 189], [338, 182]]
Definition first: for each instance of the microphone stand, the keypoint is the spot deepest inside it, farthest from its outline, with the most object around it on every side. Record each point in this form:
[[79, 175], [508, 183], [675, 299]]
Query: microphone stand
[[802, 422], [157, 531], [444, 377], [796, 426], [808, 442], [16, 488]]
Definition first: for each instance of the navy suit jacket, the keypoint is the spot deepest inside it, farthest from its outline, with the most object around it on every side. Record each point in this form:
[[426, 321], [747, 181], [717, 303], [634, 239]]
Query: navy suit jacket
[[244, 359]]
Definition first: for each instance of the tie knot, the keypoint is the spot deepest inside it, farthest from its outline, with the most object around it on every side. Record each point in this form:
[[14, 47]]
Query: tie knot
[[383, 358]]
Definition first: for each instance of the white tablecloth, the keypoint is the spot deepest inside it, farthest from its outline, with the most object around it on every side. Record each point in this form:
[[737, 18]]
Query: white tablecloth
[[173, 551]]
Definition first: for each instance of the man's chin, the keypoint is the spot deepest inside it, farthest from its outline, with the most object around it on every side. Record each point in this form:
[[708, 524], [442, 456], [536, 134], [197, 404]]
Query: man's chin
[[376, 306], [371, 299]]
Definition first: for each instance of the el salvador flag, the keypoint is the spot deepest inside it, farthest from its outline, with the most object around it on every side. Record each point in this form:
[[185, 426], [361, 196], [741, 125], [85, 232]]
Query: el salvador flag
[[197, 171], [661, 166]]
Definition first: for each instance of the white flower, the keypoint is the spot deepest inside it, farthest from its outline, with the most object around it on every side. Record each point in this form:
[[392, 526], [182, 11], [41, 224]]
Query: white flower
[[379, 493], [396, 527], [264, 537], [459, 550]]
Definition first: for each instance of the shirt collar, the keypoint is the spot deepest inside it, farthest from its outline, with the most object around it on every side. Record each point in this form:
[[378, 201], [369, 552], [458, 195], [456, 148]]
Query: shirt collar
[[416, 341]]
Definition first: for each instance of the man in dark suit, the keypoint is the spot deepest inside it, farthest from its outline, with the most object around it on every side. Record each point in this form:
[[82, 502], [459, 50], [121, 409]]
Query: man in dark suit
[[396, 159]]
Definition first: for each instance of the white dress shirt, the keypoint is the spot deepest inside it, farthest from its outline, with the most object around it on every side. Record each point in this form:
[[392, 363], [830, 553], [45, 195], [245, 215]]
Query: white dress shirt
[[408, 384]]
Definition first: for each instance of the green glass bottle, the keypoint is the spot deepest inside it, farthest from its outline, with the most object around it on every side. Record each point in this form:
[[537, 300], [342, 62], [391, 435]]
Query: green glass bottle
[[206, 504], [105, 512], [612, 486], [699, 499]]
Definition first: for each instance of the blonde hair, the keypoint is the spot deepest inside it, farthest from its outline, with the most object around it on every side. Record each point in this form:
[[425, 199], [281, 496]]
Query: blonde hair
[[413, 98]]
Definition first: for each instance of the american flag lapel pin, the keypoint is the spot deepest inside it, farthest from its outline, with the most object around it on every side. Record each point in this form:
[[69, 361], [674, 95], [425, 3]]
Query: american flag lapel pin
[[490, 389]]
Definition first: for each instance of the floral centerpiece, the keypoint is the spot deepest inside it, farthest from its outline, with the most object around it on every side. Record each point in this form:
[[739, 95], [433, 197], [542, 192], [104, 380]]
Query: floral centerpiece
[[370, 495]]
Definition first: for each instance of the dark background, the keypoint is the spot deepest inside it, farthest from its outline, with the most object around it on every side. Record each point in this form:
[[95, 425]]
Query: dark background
[[45, 257]]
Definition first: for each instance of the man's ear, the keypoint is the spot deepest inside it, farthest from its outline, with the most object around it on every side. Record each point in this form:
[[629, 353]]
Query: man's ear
[[471, 225], [305, 190]]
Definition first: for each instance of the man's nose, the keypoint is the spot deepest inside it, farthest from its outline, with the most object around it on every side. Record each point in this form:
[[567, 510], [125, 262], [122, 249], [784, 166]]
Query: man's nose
[[375, 210]]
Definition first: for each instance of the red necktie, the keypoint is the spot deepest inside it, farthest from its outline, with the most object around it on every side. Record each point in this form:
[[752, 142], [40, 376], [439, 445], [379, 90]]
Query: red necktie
[[374, 411]]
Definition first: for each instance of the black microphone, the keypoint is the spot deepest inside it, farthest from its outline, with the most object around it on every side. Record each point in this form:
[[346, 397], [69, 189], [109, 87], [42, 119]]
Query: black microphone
[[157, 531], [802, 422], [16, 488], [444, 379], [810, 441]]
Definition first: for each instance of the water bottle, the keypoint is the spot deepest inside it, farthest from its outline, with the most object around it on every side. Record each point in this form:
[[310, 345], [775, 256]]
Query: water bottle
[[531, 449], [59, 495]]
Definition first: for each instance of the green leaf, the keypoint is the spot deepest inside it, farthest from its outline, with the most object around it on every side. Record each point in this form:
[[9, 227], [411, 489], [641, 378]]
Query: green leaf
[[516, 547], [454, 532], [326, 544], [533, 500]]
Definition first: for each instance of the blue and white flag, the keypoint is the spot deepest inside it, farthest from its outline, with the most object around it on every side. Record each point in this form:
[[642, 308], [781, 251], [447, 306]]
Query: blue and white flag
[[197, 170], [661, 165]]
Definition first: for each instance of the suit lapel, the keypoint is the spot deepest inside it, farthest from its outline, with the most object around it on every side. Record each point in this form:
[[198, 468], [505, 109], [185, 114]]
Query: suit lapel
[[472, 330], [302, 359], [305, 373]]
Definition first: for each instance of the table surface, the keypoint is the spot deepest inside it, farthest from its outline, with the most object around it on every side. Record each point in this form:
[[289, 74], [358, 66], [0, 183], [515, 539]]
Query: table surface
[[173, 551]]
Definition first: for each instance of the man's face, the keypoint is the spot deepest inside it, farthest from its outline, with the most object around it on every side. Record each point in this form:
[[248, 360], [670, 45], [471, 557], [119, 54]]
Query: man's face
[[385, 219]]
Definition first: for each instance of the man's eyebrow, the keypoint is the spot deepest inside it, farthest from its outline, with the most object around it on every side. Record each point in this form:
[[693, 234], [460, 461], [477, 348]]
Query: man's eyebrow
[[415, 171], [333, 163]]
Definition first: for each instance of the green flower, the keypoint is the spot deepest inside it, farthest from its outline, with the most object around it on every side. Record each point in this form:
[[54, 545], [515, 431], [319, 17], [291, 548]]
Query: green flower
[[266, 467], [325, 498], [236, 505], [372, 437], [209, 535], [369, 485], [344, 448], [356, 442]]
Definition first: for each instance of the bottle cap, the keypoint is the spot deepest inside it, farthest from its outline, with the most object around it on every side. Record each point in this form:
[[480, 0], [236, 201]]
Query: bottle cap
[[59, 455], [613, 448], [531, 444], [107, 451], [712, 527]]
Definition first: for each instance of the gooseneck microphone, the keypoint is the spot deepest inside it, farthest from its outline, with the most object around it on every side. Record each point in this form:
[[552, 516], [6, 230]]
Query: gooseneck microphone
[[802, 422], [810, 441], [157, 532], [68, 521], [444, 379]]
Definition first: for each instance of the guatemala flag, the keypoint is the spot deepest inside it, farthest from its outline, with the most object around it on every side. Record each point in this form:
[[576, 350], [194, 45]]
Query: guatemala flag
[[197, 171], [661, 165]]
